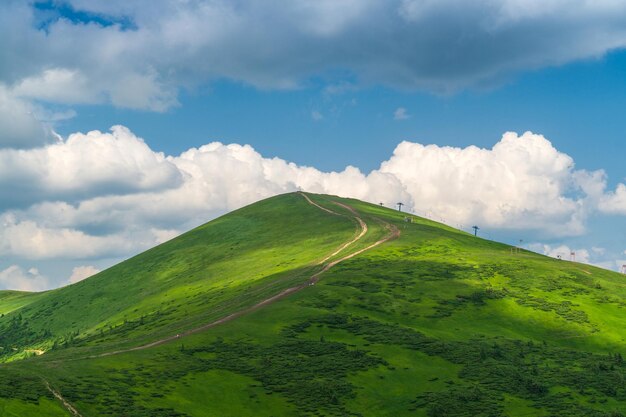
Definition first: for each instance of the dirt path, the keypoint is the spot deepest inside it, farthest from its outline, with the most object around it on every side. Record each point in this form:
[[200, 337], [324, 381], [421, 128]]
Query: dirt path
[[393, 233], [69, 407], [362, 225]]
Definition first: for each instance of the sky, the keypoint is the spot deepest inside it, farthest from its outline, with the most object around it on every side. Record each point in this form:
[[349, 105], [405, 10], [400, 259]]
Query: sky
[[124, 124]]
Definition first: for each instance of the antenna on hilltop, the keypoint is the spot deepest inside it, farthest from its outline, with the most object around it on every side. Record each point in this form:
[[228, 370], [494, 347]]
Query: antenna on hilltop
[[517, 249], [400, 206], [476, 229]]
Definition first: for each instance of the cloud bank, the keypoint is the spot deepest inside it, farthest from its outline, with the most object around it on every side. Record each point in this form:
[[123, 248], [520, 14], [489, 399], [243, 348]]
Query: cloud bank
[[140, 54], [101, 194]]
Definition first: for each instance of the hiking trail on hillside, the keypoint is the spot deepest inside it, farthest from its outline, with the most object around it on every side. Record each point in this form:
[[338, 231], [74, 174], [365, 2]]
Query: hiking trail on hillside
[[393, 232], [66, 404]]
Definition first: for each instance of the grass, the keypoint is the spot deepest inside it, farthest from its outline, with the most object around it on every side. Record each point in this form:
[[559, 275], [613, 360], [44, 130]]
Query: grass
[[434, 323], [13, 300], [190, 396], [44, 407]]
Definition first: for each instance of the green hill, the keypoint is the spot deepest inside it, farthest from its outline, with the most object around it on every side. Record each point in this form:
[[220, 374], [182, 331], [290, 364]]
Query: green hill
[[285, 308]]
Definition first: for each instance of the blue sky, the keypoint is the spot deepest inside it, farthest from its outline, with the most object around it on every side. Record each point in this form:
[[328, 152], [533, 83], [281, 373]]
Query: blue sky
[[324, 85]]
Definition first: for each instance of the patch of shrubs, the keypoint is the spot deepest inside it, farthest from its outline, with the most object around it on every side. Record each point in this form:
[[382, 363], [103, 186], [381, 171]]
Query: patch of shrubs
[[563, 309], [493, 368], [446, 308], [311, 374], [15, 332], [115, 396], [21, 386]]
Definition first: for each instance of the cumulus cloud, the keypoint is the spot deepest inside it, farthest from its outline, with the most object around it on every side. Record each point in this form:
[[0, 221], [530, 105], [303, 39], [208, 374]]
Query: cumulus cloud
[[85, 165], [614, 202], [16, 278], [80, 273], [522, 182], [401, 114], [139, 54], [108, 194]]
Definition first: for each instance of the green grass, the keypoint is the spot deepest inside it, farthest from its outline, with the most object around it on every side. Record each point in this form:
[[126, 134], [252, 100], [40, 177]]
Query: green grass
[[190, 395], [435, 323], [44, 407], [13, 300]]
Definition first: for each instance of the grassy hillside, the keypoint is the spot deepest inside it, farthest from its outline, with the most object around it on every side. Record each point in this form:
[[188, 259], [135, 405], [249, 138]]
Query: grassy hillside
[[218, 267], [434, 322], [13, 300]]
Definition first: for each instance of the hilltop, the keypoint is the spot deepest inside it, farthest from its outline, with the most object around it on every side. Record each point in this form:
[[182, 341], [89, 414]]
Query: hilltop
[[307, 304]]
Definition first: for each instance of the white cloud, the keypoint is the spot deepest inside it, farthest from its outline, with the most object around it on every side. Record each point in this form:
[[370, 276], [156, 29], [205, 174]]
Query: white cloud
[[16, 278], [401, 114], [170, 45], [79, 273], [522, 182], [30, 240], [163, 235], [83, 166], [614, 202], [316, 116], [59, 85]]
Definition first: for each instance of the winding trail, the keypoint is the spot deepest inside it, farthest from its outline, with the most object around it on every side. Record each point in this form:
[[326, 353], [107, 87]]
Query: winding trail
[[393, 232], [362, 225], [69, 407]]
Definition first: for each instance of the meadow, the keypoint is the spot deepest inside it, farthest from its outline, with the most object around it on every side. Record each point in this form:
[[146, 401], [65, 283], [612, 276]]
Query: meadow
[[435, 322]]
